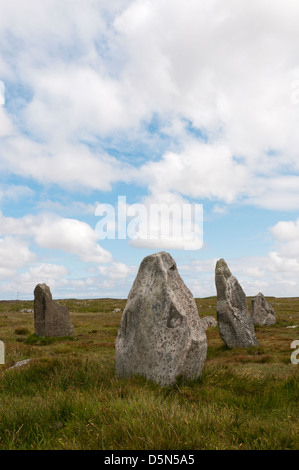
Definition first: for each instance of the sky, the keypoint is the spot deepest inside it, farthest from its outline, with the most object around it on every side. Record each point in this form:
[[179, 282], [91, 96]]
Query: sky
[[192, 102]]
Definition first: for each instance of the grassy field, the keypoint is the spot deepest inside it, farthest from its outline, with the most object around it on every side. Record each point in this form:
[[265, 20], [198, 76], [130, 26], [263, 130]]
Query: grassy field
[[68, 397]]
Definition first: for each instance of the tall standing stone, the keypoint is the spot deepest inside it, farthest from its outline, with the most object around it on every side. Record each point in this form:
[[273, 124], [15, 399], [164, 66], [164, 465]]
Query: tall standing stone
[[235, 323], [50, 318], [160, 335], [262, 312]]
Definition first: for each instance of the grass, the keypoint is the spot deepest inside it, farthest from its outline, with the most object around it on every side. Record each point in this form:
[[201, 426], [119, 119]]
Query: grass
[[68, 396]]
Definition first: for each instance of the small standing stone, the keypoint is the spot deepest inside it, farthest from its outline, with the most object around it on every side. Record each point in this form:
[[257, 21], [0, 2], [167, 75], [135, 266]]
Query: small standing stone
[[235, 323], [262, 312], [160, 336], [208, 322], [50, 318]]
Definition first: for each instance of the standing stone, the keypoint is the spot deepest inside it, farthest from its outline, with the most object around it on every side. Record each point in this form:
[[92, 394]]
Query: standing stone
[[262, 312], [50, 318], [160, 335], [235, 323]]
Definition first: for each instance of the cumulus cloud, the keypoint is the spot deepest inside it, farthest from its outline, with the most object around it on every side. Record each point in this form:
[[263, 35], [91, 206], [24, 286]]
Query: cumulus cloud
[[286, 230], [62, 163], [53, 232], [221, 72], [199, 171], [9, 247], [71, 236], [51, 274], [14, 254], [285, 258], [116, 271], [24, 282], [276, 193], [21, 268]]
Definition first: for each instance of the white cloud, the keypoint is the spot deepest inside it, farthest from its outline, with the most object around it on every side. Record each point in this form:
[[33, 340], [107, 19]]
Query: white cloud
[[200, 266], [286, 230], [53, 232], [67, 208], [61, 163], [14, 254], [276, 193], [23, 283], [21, 269], [199, 171], [217, 209], [285, 258], [45, 271], [71, 236], [224, 69], [116, 271], [282, 264], [76, 96], [14, 192], [228, 70]]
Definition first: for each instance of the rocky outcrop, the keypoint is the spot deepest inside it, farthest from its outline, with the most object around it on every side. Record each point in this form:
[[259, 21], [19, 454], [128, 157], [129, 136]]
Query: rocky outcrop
[[160, 336]]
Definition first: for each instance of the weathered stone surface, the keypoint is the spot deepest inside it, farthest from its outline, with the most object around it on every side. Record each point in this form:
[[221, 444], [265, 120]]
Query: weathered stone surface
[[262, 312], [50, 318], [160, 336], [2, 353], [235, 323], [209, 322]]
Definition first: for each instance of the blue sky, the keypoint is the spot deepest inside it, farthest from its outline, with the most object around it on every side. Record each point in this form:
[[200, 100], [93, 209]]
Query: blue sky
[[159, 101]]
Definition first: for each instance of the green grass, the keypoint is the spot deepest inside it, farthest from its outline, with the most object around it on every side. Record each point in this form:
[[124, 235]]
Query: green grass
[[68, 396], [42, 341]]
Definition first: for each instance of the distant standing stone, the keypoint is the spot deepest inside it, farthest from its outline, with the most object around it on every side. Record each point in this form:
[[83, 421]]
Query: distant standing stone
[[262, 312], [235, 323], [50, 318], [208, 322], [160, 336]]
